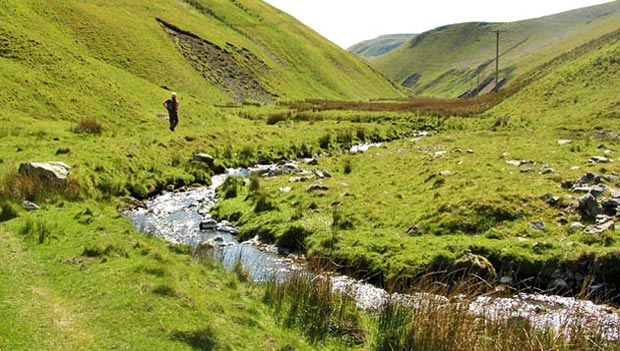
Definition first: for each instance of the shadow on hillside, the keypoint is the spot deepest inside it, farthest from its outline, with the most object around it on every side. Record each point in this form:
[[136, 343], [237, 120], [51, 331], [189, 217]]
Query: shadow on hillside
[[202, 339]]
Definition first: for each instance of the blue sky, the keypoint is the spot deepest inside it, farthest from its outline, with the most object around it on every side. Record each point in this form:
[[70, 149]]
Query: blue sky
[[347, 22]]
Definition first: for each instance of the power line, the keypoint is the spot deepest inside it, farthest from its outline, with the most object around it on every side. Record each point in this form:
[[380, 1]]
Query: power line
[[497, 33]]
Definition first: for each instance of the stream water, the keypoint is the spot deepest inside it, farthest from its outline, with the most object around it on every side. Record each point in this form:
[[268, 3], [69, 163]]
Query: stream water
[[177, 218]]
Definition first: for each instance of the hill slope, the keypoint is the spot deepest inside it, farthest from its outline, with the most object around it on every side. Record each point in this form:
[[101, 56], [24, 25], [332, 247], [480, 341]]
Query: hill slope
[[455, 59], [380, 45], [218, 50]]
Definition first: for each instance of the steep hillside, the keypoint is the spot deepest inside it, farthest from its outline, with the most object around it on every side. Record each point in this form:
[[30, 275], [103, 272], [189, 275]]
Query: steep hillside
[[124, 52], [380, 45], [575, 94], [458, 59]]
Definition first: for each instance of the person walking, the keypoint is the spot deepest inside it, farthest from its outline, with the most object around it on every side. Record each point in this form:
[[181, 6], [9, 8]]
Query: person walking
[[172, 105]]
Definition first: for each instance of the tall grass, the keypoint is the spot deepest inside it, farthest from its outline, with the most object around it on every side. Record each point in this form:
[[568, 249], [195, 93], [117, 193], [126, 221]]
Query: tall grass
[[307, 303], [425, 322], [34, 188]]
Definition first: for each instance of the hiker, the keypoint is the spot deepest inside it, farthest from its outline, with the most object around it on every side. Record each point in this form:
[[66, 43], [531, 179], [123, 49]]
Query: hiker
[[172, 105]]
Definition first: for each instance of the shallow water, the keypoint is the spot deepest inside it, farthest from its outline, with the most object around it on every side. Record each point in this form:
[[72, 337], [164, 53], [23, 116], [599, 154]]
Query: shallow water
[[176, 217]]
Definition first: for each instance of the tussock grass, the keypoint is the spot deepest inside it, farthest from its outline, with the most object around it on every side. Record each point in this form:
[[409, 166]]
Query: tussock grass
[[88, 126], [307, 304], [33, 188]]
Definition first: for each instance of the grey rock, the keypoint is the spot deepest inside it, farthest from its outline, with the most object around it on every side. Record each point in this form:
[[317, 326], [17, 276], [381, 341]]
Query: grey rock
[[600, 159], [600, 229], [589, 178], [445, 173], [515, 163], [298, 179], [588, 206], [206, 158], [316, 187], [30, 206], [610, 206], [550, 199], [286, 189], [564, 141], [312, 161], [538, 225], [57, 171], [575, 226], [208, 224]]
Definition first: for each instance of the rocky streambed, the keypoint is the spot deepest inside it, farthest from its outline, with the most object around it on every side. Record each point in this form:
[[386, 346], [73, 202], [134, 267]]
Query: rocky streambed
[[183, 217]]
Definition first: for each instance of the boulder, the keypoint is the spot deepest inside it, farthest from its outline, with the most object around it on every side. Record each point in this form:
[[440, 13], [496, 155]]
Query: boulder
[[56, 171], [588, 206], [610, 206]]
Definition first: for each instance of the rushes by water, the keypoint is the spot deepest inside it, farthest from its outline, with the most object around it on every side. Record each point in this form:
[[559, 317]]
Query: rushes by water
[[308, 304]]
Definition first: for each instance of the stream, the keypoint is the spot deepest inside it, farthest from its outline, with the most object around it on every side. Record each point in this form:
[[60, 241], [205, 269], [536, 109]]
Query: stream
[[179, 216]]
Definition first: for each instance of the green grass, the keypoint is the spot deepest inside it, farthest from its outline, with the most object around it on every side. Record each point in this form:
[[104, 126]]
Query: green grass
[[451, 60], [380, 45], [96, 283], [83, 83]]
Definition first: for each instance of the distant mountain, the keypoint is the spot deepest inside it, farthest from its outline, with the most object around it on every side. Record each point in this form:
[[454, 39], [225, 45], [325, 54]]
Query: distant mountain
[[380, 45], [458, 60]]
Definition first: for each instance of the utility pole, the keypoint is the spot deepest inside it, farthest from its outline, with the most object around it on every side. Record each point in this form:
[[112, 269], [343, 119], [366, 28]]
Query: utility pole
[[497, 33]]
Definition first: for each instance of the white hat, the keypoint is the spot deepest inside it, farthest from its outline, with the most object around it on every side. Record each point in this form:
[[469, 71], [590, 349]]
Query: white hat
[[174, 94]]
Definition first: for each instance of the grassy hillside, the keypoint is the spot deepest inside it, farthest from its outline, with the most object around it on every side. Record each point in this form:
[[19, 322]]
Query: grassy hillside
[[83, 82], [422, 205], [380, 45], [456, 59]]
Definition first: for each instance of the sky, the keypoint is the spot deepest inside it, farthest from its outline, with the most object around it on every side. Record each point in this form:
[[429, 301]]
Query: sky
[[348, 22]]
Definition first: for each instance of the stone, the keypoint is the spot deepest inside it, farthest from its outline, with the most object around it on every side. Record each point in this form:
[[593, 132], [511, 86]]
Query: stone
[[206, 158], [515, 163], [610, 206], [445, 173], [600, 229], [30, 206], [286, 189], [550, 199], [564, 141], [470, 151], [413, 230], [211, 243], [298, 179], [575, 226], [538, 225], [600, 159], [589, 178], [312, 161], [208, 224], [316, 187], [588, 206], [57, 171]]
